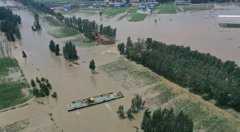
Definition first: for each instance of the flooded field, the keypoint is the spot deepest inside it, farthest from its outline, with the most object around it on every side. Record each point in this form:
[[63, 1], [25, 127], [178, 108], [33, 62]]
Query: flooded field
[[198, 30]]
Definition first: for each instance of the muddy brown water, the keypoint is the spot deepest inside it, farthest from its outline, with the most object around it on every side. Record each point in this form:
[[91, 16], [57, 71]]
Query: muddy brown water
[[198, 30], [70, 83]]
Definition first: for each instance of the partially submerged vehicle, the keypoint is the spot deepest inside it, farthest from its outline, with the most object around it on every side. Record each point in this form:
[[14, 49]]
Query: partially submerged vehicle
[[90, 101]]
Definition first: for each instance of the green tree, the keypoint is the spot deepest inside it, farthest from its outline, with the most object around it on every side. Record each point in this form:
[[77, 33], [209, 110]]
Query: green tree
[[52, 46], [202, 73], [129, 114], [33, 84], [69, 51], [137, 103], [57, 50], [129, 46], [121, 48], [92, 65], [120, 111]]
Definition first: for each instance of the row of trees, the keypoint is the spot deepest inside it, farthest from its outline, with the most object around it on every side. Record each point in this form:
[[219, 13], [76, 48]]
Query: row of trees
[[89, 28], [166, 121], [9, 24], [202, 74]]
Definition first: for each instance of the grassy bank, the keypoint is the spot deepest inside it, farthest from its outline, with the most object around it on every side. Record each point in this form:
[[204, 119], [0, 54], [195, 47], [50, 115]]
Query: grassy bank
[[58, 29], [159, 92], [197, 7], [135, 17], [84, 42], [111, 12], [13, 85], [54, 1], [168, 8]]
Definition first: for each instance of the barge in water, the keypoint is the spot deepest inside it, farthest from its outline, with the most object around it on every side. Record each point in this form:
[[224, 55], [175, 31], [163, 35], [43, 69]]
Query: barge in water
[[90, 101]]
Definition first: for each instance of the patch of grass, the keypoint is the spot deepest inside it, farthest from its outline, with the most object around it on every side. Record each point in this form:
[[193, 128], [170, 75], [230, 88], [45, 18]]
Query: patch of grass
[[197, 7], [53, 1], [135, 17], [111, 12], [11, 90], [167, 8], [6, 64], [84, 42], [11, 94], [53, 21], [58, 29], [61, 32], [129, 75], [132, 9]]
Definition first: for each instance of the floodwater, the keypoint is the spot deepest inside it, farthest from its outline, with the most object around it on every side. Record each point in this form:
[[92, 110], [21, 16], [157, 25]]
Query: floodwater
[[199, 30], [70, 83]]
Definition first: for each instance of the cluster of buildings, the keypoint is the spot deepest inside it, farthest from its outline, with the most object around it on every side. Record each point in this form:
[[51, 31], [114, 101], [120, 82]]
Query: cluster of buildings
[[142, 4]]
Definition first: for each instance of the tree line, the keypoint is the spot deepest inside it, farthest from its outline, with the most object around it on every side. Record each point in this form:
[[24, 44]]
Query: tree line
[[88, 28], [166, 121], [9, 24], [201, 73]]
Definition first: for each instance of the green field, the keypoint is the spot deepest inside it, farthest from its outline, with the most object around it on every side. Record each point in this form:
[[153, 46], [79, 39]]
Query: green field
[[54, 1], [111, 12], [135, 17], [168, 8], [13, 85], [160, 92], [5, 64], [83, 42], [197, 7], [57, 29]]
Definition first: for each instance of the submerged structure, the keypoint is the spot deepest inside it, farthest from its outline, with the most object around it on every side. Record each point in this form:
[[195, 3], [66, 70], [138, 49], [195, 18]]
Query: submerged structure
[[229, 21], [90, 101]]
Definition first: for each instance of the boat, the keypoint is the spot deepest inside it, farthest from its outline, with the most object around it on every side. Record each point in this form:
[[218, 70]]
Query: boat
[[90, 101]]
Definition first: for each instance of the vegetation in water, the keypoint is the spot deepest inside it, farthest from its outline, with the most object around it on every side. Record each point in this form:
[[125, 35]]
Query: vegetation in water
[[202, 74], [121, 112], [36, 24], [54, 48], [135, 17], [41, 87], [9, 24], [92, 65], [69, 51]]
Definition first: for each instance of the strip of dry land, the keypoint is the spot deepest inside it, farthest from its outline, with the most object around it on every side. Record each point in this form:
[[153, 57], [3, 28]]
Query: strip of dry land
[[159, 92]]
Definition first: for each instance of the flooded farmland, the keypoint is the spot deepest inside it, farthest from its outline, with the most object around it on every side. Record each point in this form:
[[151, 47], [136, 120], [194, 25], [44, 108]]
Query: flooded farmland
[[199, 30]]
